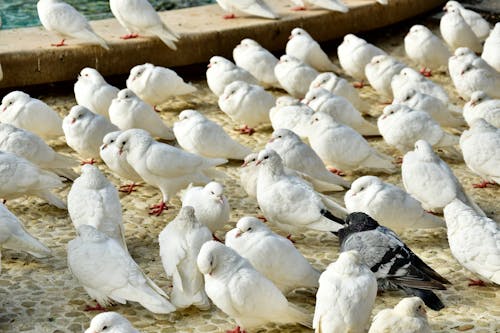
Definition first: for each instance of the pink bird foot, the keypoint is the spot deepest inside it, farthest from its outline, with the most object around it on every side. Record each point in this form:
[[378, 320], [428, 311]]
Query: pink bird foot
[[229, 16], [246, 130], [129, 36], [91, 162], [236, 330], [289, 237], [484, 184], [298, 8], [262, 218], [479, 283], [128, 188], [426, 72], [61, 43], [337, 172], [158, 209], [98, 307], [359, 85]]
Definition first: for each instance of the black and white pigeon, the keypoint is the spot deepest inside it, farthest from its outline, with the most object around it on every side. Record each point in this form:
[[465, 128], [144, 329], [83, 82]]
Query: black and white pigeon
[[395, 266]]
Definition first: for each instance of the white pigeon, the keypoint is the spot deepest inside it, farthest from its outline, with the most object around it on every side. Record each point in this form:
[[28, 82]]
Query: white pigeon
[[430, 180], [341, 110], [84, 131], [139, 17], [294, 75], [246, 7], [163, 166], [474, 240], [291, 204], [299, 156], [286, 267], [94, 201], [478, 24], [426, 49], [343, 148], [221, 72], [128, 111], [199, 135], [354, 54], [110, 154], [30, 146], [334, 5], [481, 150], [93, 92], [402, 126], [14, 236], [339, 86], [19, 177], [408, 316], [457, 33], [303, 47], [383, 2], [491, 50], [482, 106], [258, 61], [477, 75], [441, 112], [66, 21], [110, 322], [388, 205], [248, 104], [108, 273], [346, 296], [243, 293], [249, 174], [460, 56], [23, 111], [292, 114], [155, 84], [210, 205], [180, 242], [380, 71], [408, 78]]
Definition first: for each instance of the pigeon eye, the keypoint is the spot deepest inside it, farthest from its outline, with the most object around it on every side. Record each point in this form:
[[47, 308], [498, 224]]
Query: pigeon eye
[[105, 328], [377, 62], [212, 192], [266, 157], [249, 229], [361, 188], [111, 141]]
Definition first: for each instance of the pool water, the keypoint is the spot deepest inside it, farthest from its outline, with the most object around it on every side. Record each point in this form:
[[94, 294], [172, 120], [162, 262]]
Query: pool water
[[22, 13]]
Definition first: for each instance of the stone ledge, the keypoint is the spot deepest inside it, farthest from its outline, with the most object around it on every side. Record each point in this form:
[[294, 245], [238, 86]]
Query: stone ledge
[[28, 59]]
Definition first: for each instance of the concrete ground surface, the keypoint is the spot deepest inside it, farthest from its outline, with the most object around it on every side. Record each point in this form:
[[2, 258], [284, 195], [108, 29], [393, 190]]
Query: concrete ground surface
[[40, 295]]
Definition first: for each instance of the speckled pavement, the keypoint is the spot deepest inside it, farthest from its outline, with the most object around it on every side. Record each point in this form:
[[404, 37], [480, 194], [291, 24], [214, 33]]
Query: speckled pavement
[[40, 295]]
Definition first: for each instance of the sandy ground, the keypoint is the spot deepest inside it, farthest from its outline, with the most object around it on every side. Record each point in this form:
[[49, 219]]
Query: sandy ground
[[42, 296]]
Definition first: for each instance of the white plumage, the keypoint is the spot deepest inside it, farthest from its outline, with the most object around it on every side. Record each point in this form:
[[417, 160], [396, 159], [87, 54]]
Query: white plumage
[[491, 50], [457, 33], [408, 316], [425, 48], [222, 72], [247, 7], [380, 71], [110, 322], [481, 105], [294, 75]]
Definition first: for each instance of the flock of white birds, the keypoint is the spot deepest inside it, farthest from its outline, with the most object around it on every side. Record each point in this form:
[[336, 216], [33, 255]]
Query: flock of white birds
[[318, 136]]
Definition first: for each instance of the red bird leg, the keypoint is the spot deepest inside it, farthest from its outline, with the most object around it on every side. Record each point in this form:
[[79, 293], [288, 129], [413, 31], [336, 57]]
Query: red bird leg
[[228, 17], [427, 72], [289, 237], [217, 239], [337, 172], [158, 208], [246, 130], [298, 8], [236, 330], [359, 84], [98, 307], [61, 43], [483, 184], [128, 188], [479, 283], [399, 160], [129, 36], [91, 162], [262, 218]]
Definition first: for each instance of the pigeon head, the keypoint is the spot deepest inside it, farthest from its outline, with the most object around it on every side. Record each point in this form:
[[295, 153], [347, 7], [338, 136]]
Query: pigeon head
[[249, 224], [394, 109], [14, 99], [353, 40], [235, 90], [91, 75], [247, 42], [140, 72], [405, 97], [357, 222], [452, 5], [125, 94], [286, 101], [321, 120], [187, 214], [220, 62], [466, 67], [423, 149], [480, 125], [299, 32], [316, 97], [215, 191], [361, 186], [133, 139], [412, 307], [324, 80], [269, 158], [109, 139], [216, 258], [110, 322], [91, 177], [79, 116], [281, 135], [289, 60], [189, 114], [250, 160], [477, 97], [419, 30], [349, 262], [410, 74], [380, 59], [463, 51]]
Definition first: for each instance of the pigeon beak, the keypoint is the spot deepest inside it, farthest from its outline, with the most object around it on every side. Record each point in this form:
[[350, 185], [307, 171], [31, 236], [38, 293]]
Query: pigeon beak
[[209, 65], [73, 120], [238, 234], [221, 200], [244, 164], [383, 116], [258, 162], [4, 109], [272, 140], [290, 37], [304, 101], [473, 103], [120, 151], [445, 9], [317, 85], [104, 146]]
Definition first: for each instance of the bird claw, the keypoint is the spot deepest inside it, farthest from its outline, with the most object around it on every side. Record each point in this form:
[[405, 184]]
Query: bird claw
[[129, 36], [236, 330], [98, 307], [246, 130], [358, 85], [484, 184], [91, 162], [158, 208], [298, 8], [337, 172], [479, 283], [398, 160], [61, 43], [289, 237], [228, 16], [262, 218], [426, 72], [128, 188]]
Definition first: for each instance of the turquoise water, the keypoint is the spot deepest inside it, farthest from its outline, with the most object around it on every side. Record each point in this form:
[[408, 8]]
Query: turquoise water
[[22, 13]]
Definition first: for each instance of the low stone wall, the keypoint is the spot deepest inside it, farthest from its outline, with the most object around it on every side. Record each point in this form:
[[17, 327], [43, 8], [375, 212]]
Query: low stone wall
[[27, 57]]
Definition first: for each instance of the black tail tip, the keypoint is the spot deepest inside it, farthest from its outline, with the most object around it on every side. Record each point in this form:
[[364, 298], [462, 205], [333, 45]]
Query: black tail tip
[[332, 217], [430, 299]]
